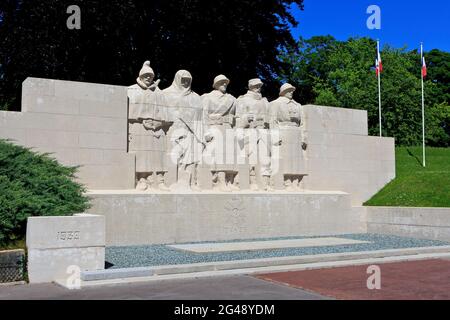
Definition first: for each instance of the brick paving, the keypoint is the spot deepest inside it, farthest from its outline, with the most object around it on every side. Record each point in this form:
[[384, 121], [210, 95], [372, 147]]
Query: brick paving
[[421, 280]]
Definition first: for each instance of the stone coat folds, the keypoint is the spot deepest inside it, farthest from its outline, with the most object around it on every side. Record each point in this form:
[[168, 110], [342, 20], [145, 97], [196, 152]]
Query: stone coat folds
[[147, 138], [251, 113], [218, 117], [288, 159]]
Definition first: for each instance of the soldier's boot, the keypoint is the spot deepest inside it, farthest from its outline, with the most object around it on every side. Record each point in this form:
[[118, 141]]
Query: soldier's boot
[[194, 178], [161, 184], [296, 184], [253, 182], [267, 183], [142, 184], [222, 182], [233, 183], [234, 186], [288, 184]]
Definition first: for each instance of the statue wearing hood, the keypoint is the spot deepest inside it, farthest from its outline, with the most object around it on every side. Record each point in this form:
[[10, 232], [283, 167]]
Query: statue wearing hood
[[219, 109], [288, 154], [147, 130], [185, 136]]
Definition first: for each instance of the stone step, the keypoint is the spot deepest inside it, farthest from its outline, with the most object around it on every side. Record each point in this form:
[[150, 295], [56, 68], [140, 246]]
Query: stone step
[[253, 265]]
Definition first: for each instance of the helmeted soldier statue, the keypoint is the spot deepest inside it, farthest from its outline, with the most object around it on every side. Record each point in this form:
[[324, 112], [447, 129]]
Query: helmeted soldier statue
[[252, 134], [286, 126], [219, 108]]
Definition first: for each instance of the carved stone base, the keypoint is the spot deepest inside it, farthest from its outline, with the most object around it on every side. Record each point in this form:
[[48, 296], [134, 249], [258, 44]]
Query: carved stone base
[[147, 181], [135, 218]]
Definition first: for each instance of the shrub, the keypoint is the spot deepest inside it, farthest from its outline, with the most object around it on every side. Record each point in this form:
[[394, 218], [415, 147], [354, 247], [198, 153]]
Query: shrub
[[33, 184]]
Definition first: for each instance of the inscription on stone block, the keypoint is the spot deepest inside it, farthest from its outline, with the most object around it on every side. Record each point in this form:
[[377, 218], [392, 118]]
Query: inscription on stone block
[[67, 235], [56, 243]]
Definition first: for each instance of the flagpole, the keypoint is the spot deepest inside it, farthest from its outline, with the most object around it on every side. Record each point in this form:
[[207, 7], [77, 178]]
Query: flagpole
[[379, 88], [423, 107]]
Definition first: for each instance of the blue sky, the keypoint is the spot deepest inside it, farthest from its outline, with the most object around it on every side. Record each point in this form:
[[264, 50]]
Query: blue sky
[[403, 23]]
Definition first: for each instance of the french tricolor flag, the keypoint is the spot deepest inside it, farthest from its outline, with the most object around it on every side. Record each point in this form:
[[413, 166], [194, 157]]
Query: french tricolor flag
[[380, 64], [424, 68], [377, 67]]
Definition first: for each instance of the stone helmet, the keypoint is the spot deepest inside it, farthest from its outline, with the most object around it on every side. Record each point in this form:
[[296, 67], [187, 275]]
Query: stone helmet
[[146, 69], [286, 88], [219, 79], [254, 82]]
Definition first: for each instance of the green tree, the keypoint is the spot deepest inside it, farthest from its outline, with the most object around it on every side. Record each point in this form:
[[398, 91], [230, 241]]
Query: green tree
[[240, 38], [305, 64], [439, 72], [33, 184], [341, 74]]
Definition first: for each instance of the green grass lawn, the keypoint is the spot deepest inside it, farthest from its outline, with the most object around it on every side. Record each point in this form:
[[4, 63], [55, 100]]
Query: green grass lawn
[[416, 186]]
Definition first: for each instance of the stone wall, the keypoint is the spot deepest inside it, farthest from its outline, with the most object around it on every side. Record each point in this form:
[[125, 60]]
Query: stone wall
[[138, 218], [81, 124], [422, 223], [341, 155], [86, 124]]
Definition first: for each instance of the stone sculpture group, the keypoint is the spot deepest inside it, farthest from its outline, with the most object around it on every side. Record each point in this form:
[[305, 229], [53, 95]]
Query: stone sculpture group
[[184, 141]]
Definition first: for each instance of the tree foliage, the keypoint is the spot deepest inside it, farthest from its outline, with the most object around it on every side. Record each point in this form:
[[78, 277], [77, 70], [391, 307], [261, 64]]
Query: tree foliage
[[33, 184], [240, 38], [341, 73]]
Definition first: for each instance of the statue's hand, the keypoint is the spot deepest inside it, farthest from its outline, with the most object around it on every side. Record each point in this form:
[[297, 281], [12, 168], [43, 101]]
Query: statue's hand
[[278, 143], [209, 137], [215, 116], [304, 145], [155, 84], [148, 124]]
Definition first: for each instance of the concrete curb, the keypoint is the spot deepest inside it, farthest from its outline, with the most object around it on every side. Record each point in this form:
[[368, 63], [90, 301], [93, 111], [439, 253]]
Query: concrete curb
[[250, 271], [259, 265]]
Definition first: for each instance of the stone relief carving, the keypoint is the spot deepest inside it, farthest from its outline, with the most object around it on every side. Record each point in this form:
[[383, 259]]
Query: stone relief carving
[[219, 109], [147, 130], [185, 136], [252, 134], [181, 138], [289, 141], [236, 220]]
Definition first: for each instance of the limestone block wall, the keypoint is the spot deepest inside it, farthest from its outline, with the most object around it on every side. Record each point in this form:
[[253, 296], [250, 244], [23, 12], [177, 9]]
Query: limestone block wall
[[81, 124], [341, 155], [422, 223], [86, 124], [139, 218]]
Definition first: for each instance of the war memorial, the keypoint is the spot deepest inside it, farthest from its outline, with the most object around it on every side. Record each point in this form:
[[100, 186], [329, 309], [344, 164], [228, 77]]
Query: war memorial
[[186, 182]]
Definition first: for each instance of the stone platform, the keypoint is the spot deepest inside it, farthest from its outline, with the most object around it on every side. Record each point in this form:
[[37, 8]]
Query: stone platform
[[161, 262], [264, 245], [142, 218]]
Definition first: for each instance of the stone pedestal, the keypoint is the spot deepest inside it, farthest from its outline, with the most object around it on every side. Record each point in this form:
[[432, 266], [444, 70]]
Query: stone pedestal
[[61, 247], [141, 218]]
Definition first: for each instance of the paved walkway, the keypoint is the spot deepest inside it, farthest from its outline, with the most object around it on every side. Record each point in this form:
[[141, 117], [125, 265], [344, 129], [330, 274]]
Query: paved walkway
[[428, 280], [223, 288]]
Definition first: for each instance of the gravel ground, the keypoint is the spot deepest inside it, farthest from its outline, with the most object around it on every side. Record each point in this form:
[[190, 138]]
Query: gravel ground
[[154, 255]]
